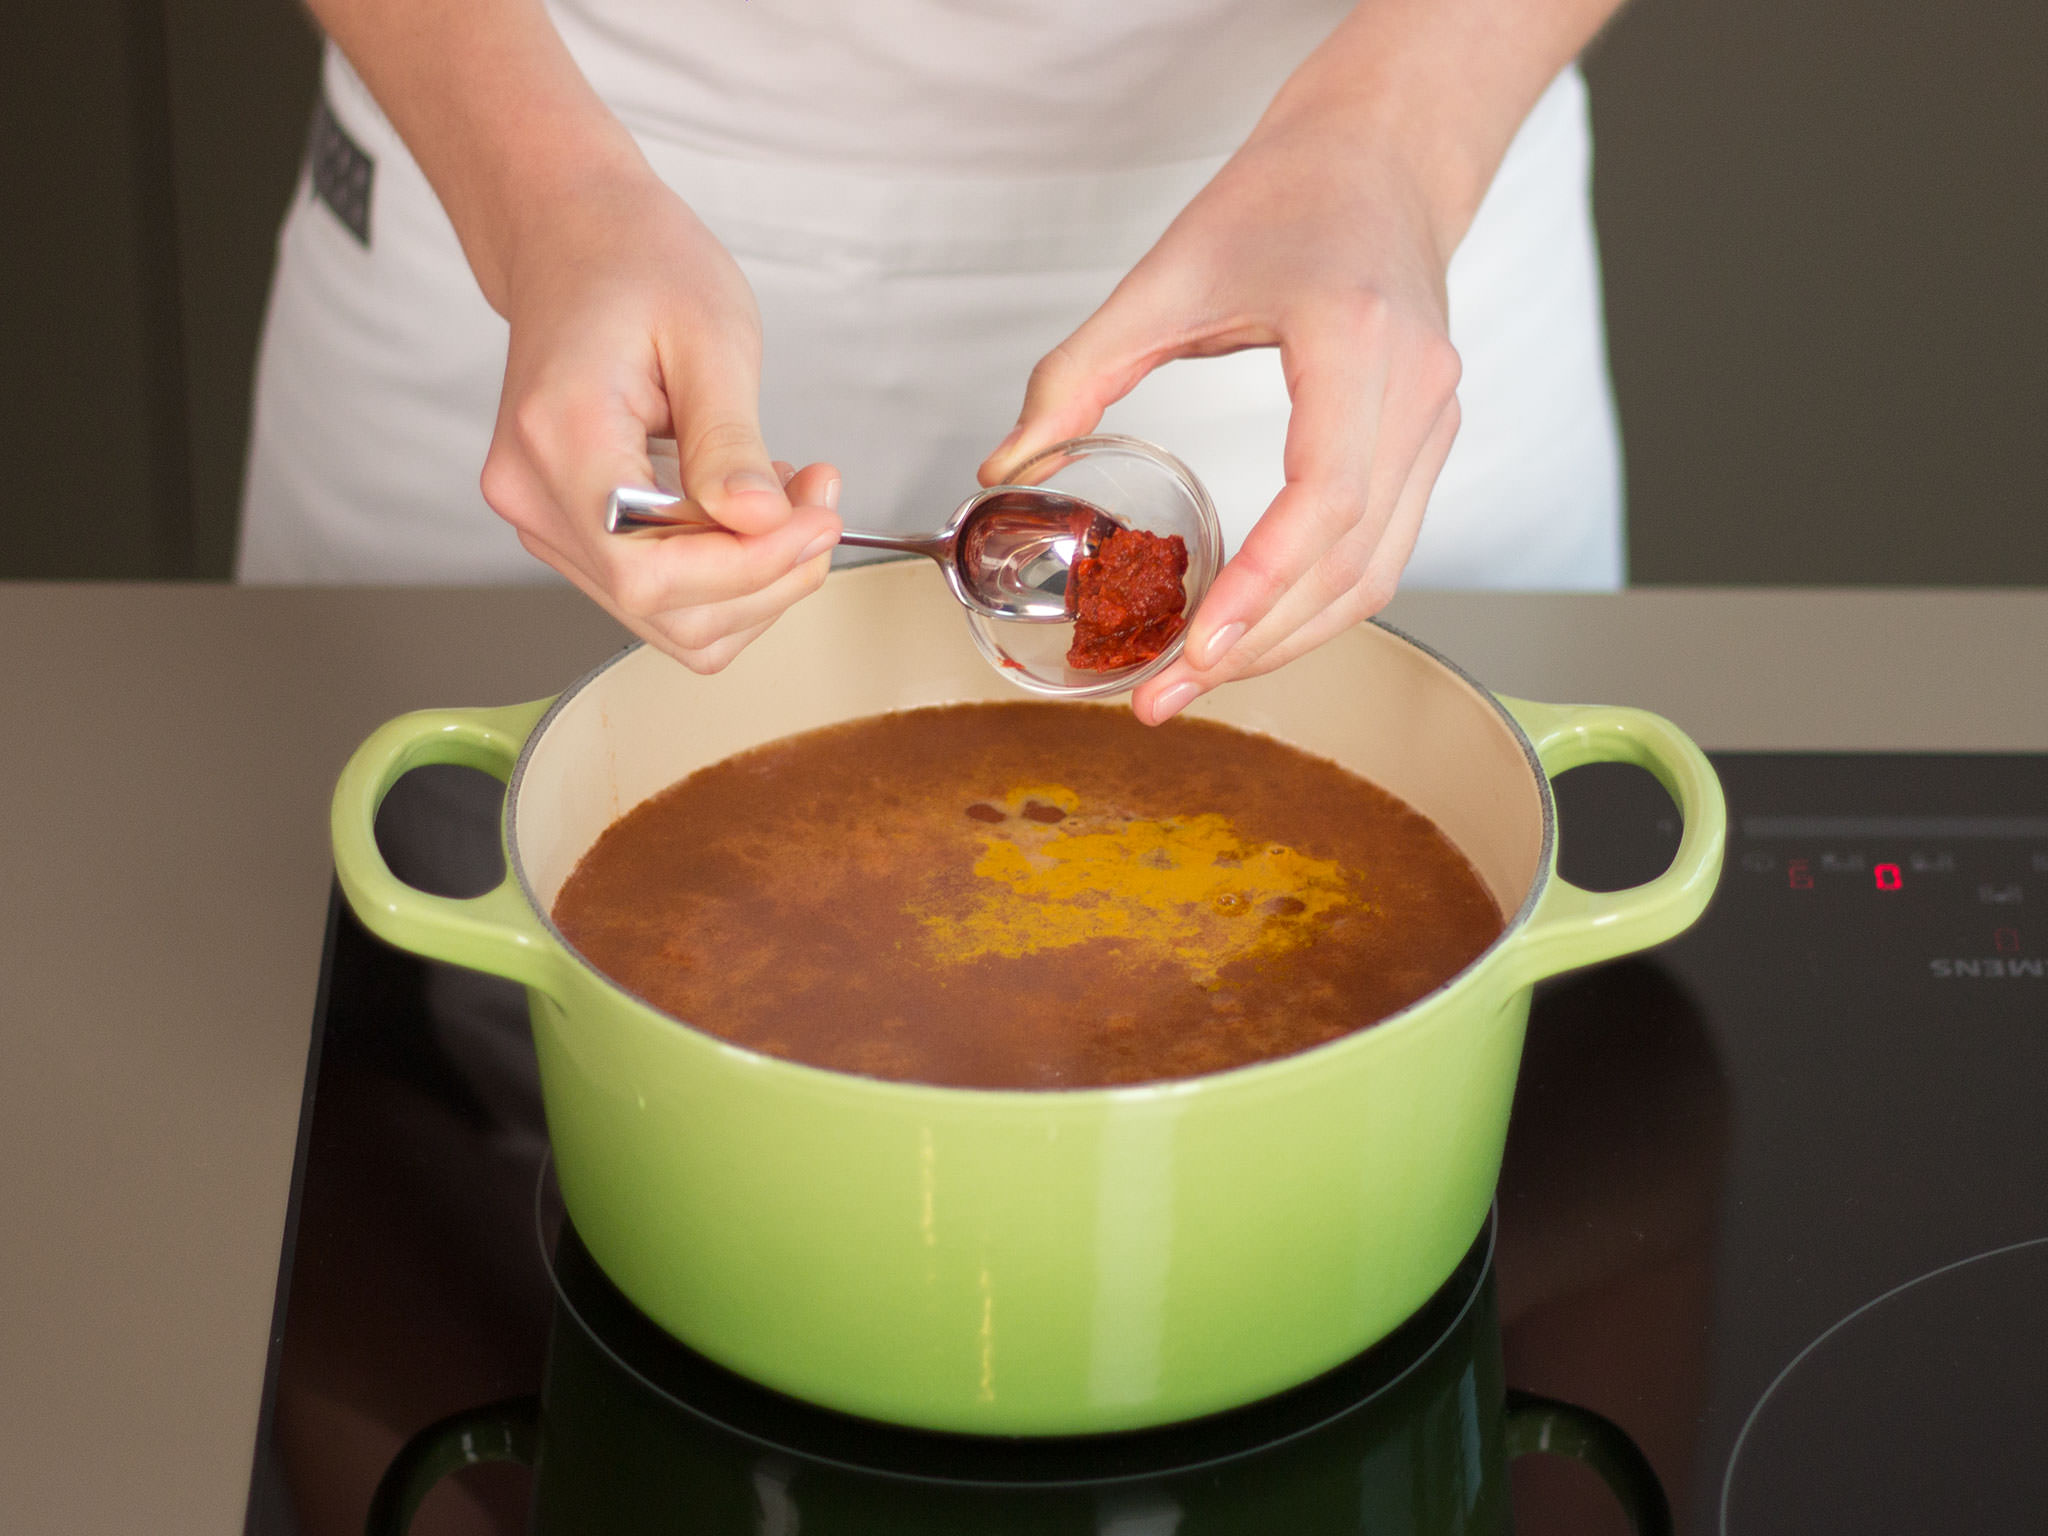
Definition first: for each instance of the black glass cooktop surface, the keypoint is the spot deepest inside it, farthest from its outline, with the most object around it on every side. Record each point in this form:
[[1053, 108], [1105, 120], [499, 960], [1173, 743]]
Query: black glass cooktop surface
[[1775, 1204]]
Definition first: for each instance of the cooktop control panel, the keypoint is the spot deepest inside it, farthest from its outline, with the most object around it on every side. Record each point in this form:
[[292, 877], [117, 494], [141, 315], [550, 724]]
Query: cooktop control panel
[[1952, 890], [1937, 888]]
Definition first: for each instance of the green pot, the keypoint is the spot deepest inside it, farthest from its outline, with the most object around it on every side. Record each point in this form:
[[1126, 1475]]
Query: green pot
[[631, 1435], [1024, 1262]]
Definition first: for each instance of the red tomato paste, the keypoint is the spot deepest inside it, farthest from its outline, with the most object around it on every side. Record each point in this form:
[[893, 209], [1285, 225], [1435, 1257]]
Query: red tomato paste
[[1127, 600]]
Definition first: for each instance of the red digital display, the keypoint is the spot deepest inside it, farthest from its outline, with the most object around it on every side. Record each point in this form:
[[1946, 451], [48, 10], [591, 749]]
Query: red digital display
[[1799, 875], [1887, 877]]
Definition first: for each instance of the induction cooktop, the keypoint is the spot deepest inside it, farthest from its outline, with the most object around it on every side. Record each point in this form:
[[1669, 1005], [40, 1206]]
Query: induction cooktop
[[1775, 1202]]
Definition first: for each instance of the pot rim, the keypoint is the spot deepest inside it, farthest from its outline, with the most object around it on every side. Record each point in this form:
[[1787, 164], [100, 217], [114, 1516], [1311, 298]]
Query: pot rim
[[1400, 1023]]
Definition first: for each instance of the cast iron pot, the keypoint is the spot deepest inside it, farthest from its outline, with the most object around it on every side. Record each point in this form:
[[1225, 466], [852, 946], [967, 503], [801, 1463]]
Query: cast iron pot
[[1024, 1262]]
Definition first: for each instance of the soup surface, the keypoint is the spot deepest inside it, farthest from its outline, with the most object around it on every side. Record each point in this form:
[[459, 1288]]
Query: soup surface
[[1026, 896]]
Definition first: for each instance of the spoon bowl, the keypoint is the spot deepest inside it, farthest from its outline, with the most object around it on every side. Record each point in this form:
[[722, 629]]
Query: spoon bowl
[[1013, 547]]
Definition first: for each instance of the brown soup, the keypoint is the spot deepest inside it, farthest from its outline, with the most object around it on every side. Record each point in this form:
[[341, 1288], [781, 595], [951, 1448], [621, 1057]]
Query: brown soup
[[1026, 896]]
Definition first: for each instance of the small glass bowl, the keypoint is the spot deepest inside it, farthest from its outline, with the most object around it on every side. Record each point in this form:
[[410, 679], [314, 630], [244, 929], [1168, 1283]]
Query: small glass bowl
[[1142, 487]]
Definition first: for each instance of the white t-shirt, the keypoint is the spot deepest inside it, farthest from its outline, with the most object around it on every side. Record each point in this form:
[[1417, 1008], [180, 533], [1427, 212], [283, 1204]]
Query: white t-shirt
[[926, 196], [952, 87]]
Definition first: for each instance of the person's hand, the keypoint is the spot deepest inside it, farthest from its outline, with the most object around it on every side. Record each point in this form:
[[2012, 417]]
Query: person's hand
[[630, 321], [1315, 243]]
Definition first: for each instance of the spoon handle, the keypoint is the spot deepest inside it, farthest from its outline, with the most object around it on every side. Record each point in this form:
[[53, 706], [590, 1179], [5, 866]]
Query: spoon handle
[[935, 546], [633, 509], [637, 509]]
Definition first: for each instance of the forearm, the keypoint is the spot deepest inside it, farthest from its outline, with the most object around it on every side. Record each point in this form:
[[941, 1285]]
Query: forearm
[[1445, 82], [491, 105]]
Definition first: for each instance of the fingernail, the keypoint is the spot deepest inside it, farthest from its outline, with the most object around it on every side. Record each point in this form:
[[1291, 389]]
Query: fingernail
[[817, 547], [1172, 702], [1220, 643], [832, 493], [741, 481]]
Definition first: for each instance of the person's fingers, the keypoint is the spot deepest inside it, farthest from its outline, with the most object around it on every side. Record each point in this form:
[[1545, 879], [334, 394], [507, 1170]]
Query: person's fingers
[[719, 656], [756, 611], [552, 464], [815, 485], [714, 394], [541, 549], [1381, 574], [647, 577], [514, 488], [1144, 323], [1333, 432], [657, 576], [1361, 415], [1347, 583], [1360, 571], [580, 427], [706, 638], [697, 632], [686, 592], [1067, 393], [518, 488], [557, 453]]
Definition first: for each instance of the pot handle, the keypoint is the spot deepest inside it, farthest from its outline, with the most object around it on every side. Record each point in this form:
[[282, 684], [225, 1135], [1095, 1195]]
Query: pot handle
[[507, 1431], [1541, 1426], [1572, 926], [496, 932]]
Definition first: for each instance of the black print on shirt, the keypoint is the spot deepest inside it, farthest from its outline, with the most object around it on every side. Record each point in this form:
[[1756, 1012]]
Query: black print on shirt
[[341, 172]]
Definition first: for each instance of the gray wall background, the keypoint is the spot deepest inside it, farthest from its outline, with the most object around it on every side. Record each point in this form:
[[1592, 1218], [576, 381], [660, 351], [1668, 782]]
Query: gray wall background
[[1824, 224]]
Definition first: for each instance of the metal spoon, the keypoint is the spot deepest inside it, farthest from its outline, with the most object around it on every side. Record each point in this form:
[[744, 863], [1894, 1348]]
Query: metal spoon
[[1006, 550]]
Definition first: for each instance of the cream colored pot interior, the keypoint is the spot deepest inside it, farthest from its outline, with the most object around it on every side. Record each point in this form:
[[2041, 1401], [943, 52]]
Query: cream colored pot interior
[[886, 637]]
